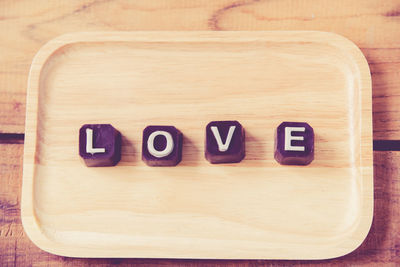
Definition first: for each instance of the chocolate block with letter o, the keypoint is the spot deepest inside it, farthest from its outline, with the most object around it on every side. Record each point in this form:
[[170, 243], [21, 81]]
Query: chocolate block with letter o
[[99, 145], [294, 143], [225, 142], [162, 145]]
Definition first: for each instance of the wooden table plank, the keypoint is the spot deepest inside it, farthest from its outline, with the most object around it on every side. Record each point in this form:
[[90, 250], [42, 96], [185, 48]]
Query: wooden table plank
[[373, 25], [382, 245]]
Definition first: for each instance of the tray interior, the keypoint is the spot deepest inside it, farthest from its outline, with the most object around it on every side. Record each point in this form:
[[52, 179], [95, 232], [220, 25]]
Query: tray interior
[[254, 209]]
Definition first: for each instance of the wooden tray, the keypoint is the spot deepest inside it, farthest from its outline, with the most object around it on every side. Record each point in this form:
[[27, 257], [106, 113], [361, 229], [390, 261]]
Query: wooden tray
[[254, 209]]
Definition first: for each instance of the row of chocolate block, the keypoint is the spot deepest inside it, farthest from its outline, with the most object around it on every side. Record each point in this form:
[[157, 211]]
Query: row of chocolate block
[[100, 144]]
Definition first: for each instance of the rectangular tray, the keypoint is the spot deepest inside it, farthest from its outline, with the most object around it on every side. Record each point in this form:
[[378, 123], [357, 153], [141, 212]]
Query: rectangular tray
[[256, 209]]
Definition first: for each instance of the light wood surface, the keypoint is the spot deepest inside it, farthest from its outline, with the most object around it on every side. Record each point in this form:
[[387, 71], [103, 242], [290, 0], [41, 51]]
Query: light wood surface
[[373, 25], [255, 209]]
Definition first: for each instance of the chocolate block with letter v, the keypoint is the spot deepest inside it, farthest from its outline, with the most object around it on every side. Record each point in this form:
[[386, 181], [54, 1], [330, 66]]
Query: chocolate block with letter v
[[294, 143], [225, 142], [162, 145], [99, 145]]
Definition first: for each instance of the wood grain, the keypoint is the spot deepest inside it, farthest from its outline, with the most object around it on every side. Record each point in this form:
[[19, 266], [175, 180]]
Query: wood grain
[[134, 79], [381, 248], [373, 25]]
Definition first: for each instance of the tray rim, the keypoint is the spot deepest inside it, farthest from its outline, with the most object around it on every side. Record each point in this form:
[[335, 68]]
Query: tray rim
[[29, 221]]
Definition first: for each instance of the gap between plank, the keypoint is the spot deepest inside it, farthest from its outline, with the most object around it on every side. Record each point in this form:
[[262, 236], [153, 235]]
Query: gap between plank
[[378, 145], [12, 138], [386, 145]]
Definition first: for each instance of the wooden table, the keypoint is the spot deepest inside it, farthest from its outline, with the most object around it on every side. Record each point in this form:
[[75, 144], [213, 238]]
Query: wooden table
[[372, 24]]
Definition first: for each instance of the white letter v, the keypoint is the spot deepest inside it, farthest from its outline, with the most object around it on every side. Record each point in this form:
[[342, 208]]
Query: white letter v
[[221, 146], [89, 143]]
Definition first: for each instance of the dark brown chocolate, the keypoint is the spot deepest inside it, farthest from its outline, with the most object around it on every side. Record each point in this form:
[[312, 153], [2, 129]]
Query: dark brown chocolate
[[225, 142], [162, 145], [99, 145], [294, 143]]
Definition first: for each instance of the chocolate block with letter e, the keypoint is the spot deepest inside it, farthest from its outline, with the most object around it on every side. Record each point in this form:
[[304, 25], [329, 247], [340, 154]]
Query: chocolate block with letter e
[[162, 145], [294, 143], [225, 142], [99, 145]]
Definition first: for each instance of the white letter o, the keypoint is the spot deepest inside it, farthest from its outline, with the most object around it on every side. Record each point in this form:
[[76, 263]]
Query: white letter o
[[168, 148]]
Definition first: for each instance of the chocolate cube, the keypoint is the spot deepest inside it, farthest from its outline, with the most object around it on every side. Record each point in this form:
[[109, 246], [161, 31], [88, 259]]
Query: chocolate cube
[[99, 145], [294, 143], [225, 142], [162, 145]]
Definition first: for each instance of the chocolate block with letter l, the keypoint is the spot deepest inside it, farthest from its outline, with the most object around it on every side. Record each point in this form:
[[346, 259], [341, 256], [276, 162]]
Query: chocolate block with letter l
[[162, 145], [225, 142], [99, 145], [294, 143]]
